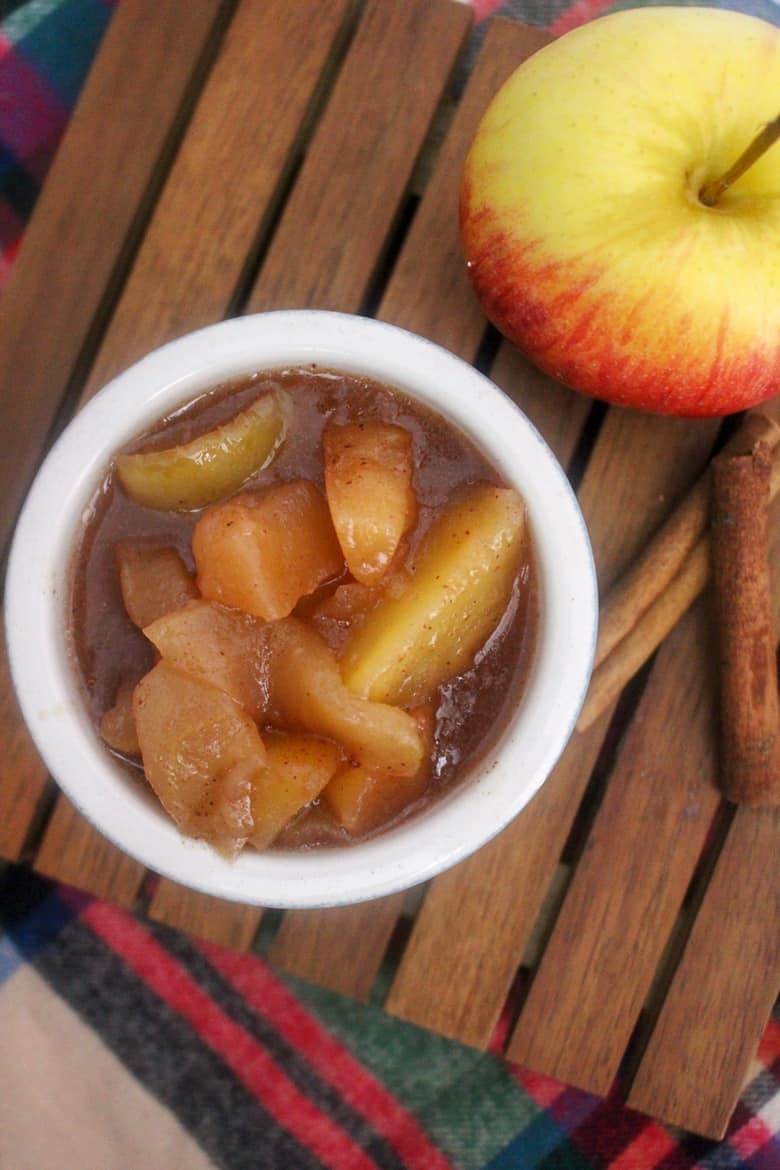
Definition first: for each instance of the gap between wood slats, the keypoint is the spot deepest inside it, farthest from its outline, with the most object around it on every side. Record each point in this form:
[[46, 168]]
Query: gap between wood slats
[[387, 141], [88, 207], [715, 1003], [496, 896], [320, 945], [340, 216], [624, 900], [344, 947], [626, 893], [435, 46], [72, 246], [236, 148]]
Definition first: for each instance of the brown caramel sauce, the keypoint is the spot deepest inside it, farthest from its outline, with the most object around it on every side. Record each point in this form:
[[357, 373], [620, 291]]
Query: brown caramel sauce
[[472, 708]]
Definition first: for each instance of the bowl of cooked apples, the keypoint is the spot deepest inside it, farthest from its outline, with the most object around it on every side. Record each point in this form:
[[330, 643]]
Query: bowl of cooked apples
[[300, 610]]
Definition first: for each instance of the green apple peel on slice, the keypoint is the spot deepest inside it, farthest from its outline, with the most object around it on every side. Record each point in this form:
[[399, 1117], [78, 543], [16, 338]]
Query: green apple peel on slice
[[211, 466], [461, 582]]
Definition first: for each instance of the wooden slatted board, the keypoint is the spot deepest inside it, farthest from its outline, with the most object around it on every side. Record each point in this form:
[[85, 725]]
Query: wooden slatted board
[[285, 153]]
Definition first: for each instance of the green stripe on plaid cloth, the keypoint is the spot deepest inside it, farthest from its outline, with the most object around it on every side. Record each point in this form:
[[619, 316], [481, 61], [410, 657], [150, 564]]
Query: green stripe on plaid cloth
[[127, 1045], [241, 1068]]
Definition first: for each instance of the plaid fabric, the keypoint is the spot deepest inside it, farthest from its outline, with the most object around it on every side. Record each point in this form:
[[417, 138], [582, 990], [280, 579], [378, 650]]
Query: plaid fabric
[[228, 1065], [127, 1044]]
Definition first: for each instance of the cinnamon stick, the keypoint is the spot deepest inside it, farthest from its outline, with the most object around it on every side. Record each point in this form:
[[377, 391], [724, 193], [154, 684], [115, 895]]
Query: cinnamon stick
[[656, 620], [666, 553], [749, 706]]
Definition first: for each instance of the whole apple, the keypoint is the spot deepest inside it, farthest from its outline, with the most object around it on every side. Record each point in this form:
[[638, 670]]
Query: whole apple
[[583, 226]]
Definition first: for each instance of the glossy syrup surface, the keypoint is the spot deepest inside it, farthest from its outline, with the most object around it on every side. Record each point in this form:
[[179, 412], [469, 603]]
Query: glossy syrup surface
[[471, 709]]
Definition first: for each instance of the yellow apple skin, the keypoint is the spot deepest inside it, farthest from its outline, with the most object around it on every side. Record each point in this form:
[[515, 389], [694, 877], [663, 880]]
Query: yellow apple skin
[[582, 228]]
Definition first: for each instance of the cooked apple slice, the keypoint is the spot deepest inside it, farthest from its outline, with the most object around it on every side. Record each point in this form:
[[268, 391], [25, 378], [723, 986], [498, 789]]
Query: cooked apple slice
[[368, 482], [298, 768], [336, 616], [211, 466], [221, 646], [363, 799], [202, 755], [153, 581], [263, 551], [117, 727], [306, 692], [461, 583]]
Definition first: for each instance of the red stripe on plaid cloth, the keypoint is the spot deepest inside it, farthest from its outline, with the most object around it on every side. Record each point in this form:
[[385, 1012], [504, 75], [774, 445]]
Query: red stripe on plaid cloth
[[750, 1137], [579, 13], [241, 1053], [769, 1048], [651, 1146], [31, 115], [268, 996]]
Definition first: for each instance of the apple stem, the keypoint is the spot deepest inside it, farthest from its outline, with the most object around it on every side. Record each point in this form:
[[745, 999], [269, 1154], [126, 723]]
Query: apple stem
[[714, 188]]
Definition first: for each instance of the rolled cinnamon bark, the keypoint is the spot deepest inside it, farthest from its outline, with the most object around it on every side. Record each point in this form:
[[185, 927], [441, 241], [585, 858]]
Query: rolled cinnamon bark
[[648, 625], [749, 706], [665, 554]]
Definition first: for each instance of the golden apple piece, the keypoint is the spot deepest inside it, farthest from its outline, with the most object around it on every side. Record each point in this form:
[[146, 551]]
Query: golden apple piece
[[220, 646], [299, 767], [153, 581], [211, 466], [117, 727], [368, 482], [202, 755], [462, 580], [363, 799], [306, 692], [315, 825], [263, 551], [336, 616]]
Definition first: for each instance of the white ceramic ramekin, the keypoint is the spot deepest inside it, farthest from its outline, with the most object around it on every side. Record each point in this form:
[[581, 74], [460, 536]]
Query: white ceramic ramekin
[[37, 594]]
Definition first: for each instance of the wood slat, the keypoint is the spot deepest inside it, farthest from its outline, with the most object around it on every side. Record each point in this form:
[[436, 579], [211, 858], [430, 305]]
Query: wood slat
[[356, 172], [496, 895], [339, 948], [713, 1014], [557, 414], [76, 236], [630, 883], [72, 851], [244, 137], [229, 924], [429, 291], [128, 107], [377, 154], [241, 138], [24, 778]]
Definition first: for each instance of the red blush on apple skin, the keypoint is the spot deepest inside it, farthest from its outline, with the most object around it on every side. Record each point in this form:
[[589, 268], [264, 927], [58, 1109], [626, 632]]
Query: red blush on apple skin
[[551, 311]]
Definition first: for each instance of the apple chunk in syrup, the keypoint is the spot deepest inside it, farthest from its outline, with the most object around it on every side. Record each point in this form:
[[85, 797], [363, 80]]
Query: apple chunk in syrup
[[331, 644]]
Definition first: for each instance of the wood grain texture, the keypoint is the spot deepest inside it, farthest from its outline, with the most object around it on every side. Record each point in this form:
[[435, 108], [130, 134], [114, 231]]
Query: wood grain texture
[[357, 169], [242, 141], [714, 1011], [142, 83], [344, 217], [24, 776], [71, 851], [557, 413], [228, 924], [630, 882], [496, 895], [340, 948], [429, 291], [239, 143]]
